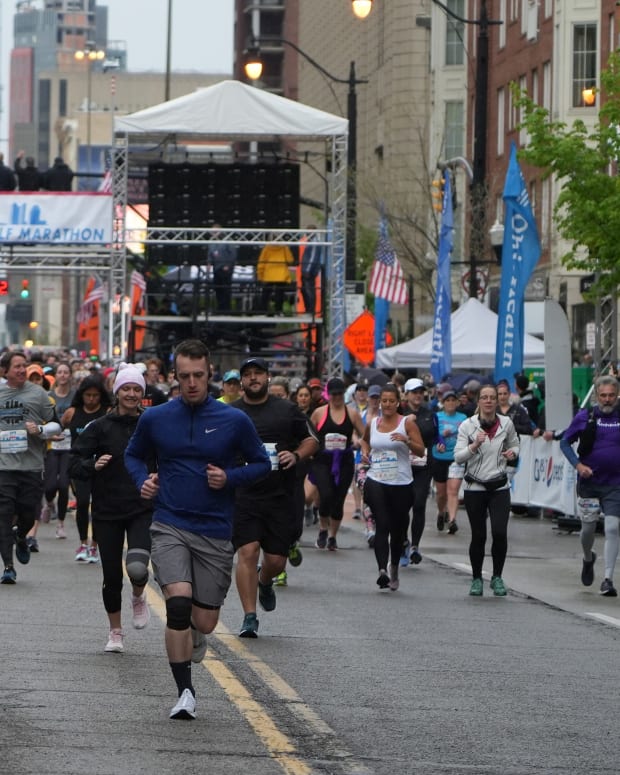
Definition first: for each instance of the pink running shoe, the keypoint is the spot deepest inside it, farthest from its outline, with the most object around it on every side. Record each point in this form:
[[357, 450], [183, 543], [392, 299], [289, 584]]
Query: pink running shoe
[[82, 553], [141, 612], [115, 642]]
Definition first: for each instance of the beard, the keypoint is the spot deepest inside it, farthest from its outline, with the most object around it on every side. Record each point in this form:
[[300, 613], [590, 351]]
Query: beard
[[257, 391], [607, 409]]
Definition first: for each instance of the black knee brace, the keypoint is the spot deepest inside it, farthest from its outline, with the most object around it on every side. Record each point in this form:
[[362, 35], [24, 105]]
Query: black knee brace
[[137, 570], [178, 612]]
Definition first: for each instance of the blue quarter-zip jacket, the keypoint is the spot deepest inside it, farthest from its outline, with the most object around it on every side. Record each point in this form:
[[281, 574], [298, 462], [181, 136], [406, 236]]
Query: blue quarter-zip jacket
[[185, 439]]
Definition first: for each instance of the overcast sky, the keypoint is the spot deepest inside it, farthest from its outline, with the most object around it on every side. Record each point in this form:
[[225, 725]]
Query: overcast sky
[[202, 37]]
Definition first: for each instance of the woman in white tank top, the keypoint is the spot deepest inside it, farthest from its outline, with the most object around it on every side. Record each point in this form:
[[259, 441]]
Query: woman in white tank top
[[386, 445]]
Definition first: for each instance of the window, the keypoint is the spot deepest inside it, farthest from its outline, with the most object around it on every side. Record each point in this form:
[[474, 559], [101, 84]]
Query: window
[[534, 91], [502, 27], [501, 121], [523, 138], [546, 89], [455, 129], [584, 64], [455, 33]]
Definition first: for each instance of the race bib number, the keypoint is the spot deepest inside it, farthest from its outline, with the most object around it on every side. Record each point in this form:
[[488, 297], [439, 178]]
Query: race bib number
[[335, 441], [12, 442], [66, 441], [270, 449], [456, 470], [588, 509], [384, 466]]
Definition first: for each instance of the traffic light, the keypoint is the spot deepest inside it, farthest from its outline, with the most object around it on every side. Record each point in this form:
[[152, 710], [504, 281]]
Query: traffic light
[[25, 291], [437, 193]]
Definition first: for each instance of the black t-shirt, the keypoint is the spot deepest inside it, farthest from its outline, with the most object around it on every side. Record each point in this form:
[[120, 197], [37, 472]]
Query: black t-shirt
[[281, 426]]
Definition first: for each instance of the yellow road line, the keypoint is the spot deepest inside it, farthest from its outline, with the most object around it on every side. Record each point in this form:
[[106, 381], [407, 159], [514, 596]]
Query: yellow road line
[[280, 747]]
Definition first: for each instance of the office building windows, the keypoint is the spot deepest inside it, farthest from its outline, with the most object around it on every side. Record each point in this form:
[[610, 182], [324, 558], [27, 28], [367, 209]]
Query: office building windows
[[584, 65]]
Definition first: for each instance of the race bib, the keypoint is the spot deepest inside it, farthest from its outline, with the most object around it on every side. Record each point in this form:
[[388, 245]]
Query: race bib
[[65, 443], [270, 449], [588, 509], [456, 470], [335, 441], [417, 461], [12, 442], [384, 466]]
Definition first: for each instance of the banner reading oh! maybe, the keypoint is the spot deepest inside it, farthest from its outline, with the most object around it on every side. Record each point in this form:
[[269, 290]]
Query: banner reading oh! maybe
[[56, 218]]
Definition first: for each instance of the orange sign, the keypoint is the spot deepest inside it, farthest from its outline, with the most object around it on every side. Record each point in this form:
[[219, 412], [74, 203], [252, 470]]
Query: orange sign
[[359, 338]]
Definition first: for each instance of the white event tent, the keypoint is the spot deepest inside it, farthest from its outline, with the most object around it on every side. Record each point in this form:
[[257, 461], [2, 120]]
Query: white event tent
[[474, 331]]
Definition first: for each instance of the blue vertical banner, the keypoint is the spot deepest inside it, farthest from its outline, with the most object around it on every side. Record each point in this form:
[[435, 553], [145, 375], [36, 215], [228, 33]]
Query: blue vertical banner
[[520, 254], [441, 350], [382, 313]]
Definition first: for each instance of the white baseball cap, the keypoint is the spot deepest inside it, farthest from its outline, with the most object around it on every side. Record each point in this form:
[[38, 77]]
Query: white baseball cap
[[414, 384]]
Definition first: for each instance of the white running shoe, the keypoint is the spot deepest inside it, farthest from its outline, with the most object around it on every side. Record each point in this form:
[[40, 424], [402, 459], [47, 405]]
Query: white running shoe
[[199, 643], [82, 553], [115, 642], [60, 531], [185, 707], [141, 612], [93, 554]]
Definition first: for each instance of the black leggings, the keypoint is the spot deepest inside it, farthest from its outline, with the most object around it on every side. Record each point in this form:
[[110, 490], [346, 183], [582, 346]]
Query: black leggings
[[421, 487], [81, 488], [331, 494], [390, 504], [57, 479], [111, 539], [497, 506]]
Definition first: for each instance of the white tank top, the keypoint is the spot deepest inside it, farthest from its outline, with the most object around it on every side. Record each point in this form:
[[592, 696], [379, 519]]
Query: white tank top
[[389, 460]]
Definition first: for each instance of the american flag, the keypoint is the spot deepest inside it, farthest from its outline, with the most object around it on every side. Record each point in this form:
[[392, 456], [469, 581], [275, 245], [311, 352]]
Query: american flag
[[387, 280], [94, 293], [106, 183], [138, 280]]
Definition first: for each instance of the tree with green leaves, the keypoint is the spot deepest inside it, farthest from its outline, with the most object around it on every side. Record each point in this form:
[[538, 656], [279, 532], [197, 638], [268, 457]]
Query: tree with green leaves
[[587, 211]]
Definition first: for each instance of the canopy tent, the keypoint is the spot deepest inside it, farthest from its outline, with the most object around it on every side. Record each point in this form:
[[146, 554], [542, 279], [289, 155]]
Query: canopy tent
[[232, 109], [474, 331], [234, 112]]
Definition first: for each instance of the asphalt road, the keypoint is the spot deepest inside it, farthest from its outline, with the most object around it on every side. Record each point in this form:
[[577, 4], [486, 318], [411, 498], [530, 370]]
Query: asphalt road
[[343, 678]]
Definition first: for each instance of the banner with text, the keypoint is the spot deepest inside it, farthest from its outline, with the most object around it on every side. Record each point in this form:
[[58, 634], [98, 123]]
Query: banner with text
[[544, 476], [56, 218]]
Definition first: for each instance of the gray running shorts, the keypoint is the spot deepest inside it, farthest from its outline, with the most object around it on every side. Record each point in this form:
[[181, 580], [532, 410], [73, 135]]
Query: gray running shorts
[[205, 563]]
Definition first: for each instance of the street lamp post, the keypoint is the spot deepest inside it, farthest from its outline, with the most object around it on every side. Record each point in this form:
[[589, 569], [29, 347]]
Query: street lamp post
[[253, 69], [478, 190], [90, 53]]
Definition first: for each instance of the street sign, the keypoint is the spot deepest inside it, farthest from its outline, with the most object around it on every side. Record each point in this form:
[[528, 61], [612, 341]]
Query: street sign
[[359, 338]]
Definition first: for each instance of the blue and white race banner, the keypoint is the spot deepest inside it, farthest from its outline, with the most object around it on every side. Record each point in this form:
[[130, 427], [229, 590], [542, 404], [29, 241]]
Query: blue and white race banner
[[544, 476], [441, 353], [520, 255], [56, 218]]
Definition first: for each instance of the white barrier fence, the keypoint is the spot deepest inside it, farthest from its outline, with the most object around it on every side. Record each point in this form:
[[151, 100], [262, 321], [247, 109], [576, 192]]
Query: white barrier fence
[[544, 477]]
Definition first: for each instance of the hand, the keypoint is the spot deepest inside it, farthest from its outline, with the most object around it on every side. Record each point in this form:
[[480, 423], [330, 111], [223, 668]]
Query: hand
[[102, 462], [441, 447], [150, 488], [480, 439], [216, 477], [399, 437], [286, 459], [584, 471], [509, 454], [32, 428]]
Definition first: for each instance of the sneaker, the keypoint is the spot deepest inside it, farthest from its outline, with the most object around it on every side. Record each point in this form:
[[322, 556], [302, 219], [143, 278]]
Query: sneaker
[[608, 589], [249, 628], [393, 577], [383, 582], [185, 707], [587, 571], [404, 557], [141, 612], [266, 596], [22, 550], [82, 553], [60, 531], [33, 544], [72, 505], [332, 544], [199, 645], [441, 521], [498, 586], [370, 539], [415, 557], [9, 576], [281, 580], [357, 514], [308, 516], [295, 557], [115, 642], [476, 588], [452, 528], [321, 539], [93, 554]]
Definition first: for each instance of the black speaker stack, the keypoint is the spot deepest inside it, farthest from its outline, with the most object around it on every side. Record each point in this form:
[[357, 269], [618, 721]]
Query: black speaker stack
[[234, 196]]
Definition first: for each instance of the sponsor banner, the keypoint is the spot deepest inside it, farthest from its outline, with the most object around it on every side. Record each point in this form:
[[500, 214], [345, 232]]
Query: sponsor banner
[[544, 477], [58, 219]]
